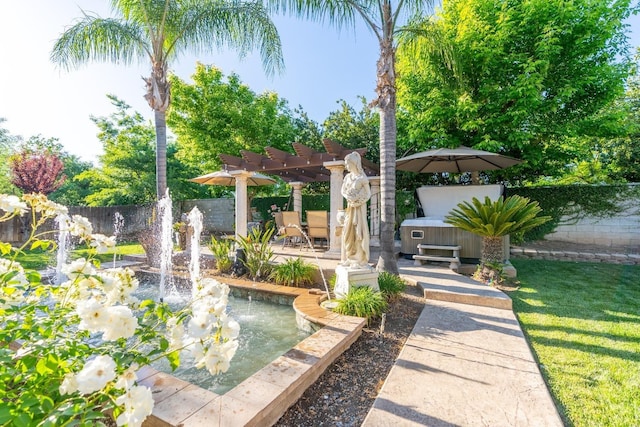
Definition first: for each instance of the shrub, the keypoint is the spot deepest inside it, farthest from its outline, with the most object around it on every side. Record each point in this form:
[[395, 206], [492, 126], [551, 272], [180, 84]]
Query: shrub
[[258, 253], [221, 250], [391, 285], [293, 272], [362, 302], [74, 347]]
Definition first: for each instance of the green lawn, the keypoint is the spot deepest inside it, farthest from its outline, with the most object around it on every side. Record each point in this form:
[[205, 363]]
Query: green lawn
[[39, 260], [583, 321]]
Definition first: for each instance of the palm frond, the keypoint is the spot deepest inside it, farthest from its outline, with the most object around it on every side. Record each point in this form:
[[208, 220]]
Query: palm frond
[[99, 39], [243, 26], [335, 12], [498, 218]]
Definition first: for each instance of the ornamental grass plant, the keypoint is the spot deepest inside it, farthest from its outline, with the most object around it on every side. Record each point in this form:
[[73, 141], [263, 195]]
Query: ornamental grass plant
[[293, 272], [391, 285], [70, 350], [362, 302]]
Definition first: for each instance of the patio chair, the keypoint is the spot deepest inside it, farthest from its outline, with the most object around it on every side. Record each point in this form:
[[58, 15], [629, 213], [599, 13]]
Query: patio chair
[[292, 228], [280, 229], [318, 223]]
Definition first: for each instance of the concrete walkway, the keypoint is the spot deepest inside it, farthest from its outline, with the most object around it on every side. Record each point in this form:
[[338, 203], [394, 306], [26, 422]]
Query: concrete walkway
[[466, 362]]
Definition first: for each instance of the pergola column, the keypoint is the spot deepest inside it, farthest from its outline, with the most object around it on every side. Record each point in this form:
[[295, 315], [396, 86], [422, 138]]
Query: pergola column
[[241, 202], [336, 204], [374, 210], [297, 196]]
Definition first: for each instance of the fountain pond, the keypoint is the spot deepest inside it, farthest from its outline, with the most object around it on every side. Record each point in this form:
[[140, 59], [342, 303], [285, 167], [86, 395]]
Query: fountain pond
[[267, 330], [273, 384]]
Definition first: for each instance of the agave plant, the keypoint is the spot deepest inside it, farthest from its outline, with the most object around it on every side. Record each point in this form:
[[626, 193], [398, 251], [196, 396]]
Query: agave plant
[[494, 219]]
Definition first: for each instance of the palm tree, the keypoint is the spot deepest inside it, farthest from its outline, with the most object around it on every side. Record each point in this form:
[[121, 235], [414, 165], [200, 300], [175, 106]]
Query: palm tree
[[383, 19], [493, 220], [159, 31]]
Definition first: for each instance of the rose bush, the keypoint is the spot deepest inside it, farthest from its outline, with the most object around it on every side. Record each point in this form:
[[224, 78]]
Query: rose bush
[[69, 351]]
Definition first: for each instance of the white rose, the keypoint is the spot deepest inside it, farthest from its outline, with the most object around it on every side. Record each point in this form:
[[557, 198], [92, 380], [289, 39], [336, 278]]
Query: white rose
[[96, 374], [12, 204], [137, 405]]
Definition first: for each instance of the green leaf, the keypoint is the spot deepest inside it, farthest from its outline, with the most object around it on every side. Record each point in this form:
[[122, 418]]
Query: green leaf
[[147, 303], [174, 360], [5, 414], [47, 403], [5, 248], [46, 244], [42, 368], [22, 420], [164, 344], [33, 277]]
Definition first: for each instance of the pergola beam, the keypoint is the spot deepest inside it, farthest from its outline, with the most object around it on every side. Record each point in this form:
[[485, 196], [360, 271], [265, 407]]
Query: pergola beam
[[304, 166]]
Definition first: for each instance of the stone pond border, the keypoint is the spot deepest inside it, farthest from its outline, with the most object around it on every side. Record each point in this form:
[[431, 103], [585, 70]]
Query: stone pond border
[[265, 396]]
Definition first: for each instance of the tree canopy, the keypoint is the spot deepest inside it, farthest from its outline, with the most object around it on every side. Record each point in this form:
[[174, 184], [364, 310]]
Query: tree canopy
[[355, 129], [7, 142], [126, 174], [216, 115], [37, 172], [521, 78]]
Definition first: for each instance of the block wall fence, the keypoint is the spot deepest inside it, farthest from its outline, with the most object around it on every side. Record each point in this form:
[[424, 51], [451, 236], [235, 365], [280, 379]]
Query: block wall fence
[[219, 218], [621, 230]]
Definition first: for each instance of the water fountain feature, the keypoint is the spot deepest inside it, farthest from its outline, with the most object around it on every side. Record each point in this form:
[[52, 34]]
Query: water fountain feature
[[61, 254], [273, 387], [267, 330], [195, 221], [165, 216], [118, 226], [266, 387]]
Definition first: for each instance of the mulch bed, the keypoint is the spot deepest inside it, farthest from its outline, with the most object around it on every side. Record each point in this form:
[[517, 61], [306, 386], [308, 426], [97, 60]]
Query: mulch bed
[[344, 394]]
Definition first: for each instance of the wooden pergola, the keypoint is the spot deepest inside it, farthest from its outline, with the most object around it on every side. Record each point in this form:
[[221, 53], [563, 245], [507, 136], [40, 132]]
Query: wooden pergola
[[305, 166]]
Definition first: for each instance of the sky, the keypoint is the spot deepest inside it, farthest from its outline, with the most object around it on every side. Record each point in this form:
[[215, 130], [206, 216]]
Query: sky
[[38, 98]]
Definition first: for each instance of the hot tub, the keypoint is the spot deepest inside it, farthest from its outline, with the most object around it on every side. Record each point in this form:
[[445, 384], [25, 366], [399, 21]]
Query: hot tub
[[437, 202]]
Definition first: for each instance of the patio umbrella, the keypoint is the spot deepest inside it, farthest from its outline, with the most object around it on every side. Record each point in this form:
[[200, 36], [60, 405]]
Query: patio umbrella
[[226, 179], [461, 159]]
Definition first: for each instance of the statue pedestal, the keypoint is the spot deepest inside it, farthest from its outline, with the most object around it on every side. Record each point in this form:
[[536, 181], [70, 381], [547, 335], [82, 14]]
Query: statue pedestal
[[354, 277]]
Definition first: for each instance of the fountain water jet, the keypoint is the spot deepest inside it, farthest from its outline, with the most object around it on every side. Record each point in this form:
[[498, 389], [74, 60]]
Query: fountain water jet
[[118, 225], [328, 303], [195, 221], [166, 220], [63, 239]]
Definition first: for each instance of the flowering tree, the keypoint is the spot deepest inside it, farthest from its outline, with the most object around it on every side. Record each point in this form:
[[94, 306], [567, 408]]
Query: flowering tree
[[69, 352], [37, 172]]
